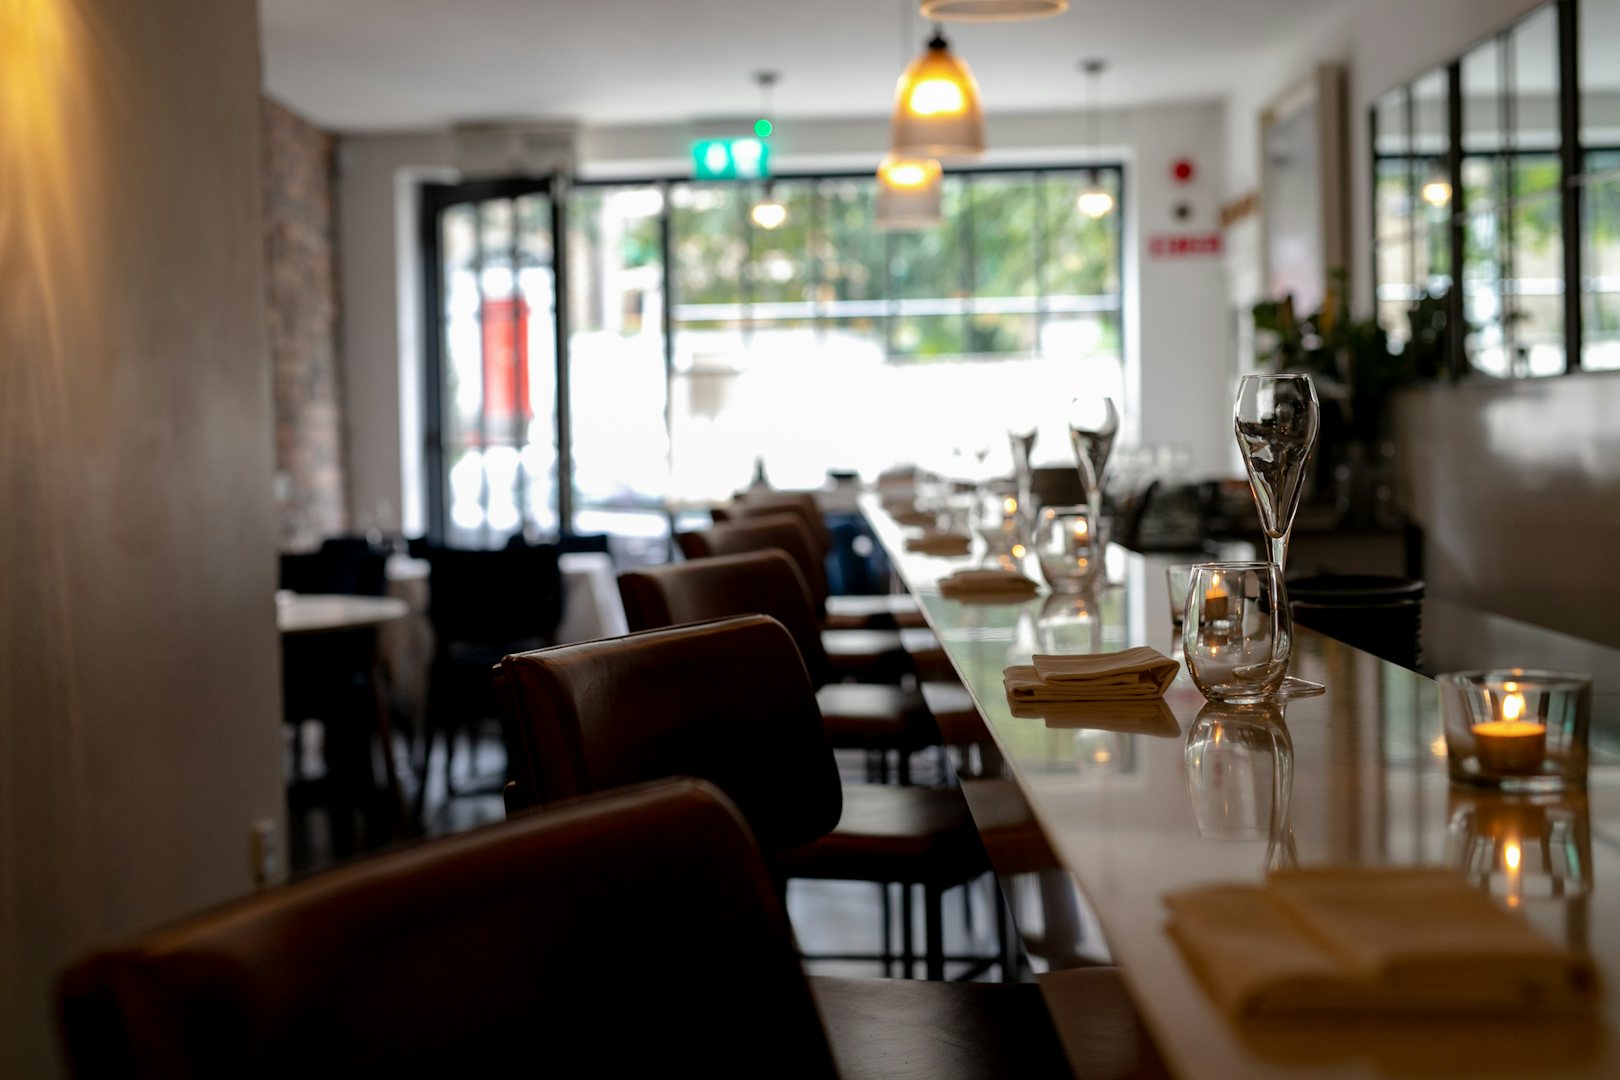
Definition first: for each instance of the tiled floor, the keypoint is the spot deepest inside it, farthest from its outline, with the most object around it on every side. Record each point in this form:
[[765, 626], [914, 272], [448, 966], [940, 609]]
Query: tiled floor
[[831, 918]]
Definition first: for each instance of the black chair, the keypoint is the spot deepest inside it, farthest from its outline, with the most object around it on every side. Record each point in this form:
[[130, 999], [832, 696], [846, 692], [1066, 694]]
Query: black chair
[[483, 605]]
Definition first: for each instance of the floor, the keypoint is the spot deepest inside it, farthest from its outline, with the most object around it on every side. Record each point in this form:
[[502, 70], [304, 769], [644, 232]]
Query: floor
[[831, 918]]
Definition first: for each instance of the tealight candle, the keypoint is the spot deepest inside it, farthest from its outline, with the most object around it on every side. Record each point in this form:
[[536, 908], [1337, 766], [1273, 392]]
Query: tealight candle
[[1216, 600], [1511, 746]]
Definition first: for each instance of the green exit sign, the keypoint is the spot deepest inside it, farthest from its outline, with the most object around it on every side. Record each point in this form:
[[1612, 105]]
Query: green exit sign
[[741, 158]]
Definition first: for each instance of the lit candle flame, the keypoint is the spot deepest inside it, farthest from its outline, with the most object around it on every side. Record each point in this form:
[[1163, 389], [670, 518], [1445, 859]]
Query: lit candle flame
[[1512, 704], [1010, 505]]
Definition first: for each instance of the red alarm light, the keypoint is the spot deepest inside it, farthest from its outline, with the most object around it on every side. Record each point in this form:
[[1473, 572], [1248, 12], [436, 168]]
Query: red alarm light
[[1182, 170]]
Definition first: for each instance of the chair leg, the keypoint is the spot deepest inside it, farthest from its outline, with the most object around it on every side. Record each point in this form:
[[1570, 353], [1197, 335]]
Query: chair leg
[[934, 927], [887, 952], [903, 769], [1006, 936]]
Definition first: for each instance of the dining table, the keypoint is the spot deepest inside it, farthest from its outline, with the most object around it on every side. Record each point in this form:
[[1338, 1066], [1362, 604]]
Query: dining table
[[1089, 824]]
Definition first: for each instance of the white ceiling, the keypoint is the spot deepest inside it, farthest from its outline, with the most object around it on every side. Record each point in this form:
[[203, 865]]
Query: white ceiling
[[366, 65]]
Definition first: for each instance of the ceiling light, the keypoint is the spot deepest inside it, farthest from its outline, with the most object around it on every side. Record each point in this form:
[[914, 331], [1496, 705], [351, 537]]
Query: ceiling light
[[1094, 202], [990, 10], [908, 195], [769, 212], [1437, 193], [936, 107]]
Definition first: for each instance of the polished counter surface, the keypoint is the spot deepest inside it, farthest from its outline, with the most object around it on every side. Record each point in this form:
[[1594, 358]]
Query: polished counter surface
[[1355, 776]]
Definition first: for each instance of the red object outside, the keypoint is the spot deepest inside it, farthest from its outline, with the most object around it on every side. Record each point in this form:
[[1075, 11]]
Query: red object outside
[[1182, 170], [506, 359]]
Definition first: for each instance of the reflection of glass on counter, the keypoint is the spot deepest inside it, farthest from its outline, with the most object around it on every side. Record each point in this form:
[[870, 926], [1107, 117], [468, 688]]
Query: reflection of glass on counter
[[1099, 753], [1071, 622], [1240, 777]]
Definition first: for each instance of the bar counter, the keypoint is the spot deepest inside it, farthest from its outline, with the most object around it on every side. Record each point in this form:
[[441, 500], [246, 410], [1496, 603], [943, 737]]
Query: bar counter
[[1365, 784]]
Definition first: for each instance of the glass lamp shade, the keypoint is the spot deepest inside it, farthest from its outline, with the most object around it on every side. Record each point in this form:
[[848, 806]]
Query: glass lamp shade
[[908, 195], [936, 108], [1095, 203], [990, 10], [768, 213]]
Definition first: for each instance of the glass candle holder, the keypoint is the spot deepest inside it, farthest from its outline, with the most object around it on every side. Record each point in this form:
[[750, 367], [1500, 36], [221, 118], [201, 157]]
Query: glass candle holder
[[1177, 580], [1235, 633], [1518, 730], [1069, 546], [1000, 520]]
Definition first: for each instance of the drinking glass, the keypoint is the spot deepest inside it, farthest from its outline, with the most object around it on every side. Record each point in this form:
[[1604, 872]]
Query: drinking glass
[[1066, 547], [1177, 579], [1233, 634], [1093, 427], [1022, 440], [1275, 419]]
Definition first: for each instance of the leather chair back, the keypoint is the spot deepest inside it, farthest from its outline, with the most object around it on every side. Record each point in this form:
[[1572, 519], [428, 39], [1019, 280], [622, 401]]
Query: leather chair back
[[727, 701], [629, 935], [763, 583], [784, 532], [803, 503]]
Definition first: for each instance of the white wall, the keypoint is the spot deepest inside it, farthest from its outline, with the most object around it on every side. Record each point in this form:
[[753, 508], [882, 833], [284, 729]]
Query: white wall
[[139, 687], [1177, 331]]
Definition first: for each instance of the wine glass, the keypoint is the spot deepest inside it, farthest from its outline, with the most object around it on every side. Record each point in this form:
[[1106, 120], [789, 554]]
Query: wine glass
[[1022, 440], [1275, 419], [1093, 426]]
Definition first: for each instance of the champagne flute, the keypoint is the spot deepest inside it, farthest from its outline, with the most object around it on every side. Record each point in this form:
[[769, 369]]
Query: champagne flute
[[1093, 426], [1022, 440], [1275, 419]]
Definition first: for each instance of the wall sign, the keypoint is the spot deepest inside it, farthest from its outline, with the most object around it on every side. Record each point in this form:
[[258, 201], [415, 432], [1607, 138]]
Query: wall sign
[[1184, 245]]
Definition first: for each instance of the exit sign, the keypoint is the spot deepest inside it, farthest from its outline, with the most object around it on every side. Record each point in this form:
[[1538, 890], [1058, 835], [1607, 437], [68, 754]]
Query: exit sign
[[741, 158]]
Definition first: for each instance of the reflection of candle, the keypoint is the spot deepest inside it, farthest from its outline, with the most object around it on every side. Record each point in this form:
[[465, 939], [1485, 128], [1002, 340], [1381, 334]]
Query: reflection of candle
[[1511, 855], [1216, 601], [1009, 506]]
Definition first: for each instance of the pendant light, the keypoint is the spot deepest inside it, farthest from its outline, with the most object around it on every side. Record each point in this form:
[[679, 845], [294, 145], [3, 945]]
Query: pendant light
[[1095, 201], [936, 107], [767, 211], [908, 195], [990, 10]]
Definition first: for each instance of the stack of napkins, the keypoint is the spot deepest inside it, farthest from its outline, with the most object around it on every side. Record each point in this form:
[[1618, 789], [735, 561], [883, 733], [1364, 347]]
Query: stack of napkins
[[910, 515], [940, 543], [1134, 674], [987, 586], [1386, 941]]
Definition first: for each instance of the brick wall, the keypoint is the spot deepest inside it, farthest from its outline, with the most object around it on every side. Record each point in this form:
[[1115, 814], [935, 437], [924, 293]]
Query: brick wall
[[302, 310]]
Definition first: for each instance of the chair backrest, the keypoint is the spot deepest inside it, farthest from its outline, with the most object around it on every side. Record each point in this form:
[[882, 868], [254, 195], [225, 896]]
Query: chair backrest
[[618, 936], [784, 532], [727, 701], [511, 595], [347, 565], [802, 503], [763, 582]]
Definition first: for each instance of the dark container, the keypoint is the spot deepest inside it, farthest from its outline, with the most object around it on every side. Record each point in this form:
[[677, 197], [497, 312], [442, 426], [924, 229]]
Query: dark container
[[1377, 614]]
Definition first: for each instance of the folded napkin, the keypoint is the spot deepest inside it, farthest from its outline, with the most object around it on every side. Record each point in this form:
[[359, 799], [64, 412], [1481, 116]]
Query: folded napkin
[[913, 516], [987, 585], [1126, 717], [1142, 672], [1387, 941], [938, 543]]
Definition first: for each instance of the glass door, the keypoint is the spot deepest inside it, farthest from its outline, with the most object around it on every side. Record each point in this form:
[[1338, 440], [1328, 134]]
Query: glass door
[[492, 439]]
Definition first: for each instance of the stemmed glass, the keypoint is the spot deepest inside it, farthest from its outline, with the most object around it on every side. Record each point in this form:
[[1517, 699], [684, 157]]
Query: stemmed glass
[[1093, 426], [1275, 419], [1022, 440]]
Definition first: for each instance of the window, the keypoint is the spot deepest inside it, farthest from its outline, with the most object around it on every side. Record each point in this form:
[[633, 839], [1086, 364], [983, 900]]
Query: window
[[691, 346], [1507, 163]]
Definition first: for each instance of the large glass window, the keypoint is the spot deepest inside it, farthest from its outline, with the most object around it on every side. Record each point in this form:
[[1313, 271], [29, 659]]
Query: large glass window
[[699, 346], [1533, 147]]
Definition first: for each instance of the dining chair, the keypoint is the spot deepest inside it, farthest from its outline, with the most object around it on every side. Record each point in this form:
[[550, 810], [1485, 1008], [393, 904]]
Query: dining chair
[[866, 716], [854, 651], [731, 701], [875, 611], [635, 933], [482, 605]]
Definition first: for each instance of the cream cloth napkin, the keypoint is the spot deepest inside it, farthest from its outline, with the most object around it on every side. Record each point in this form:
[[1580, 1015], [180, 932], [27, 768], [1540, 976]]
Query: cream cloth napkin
[[910, 515], [1143, 672], [986, 585], [1395, 941], [939, 543]]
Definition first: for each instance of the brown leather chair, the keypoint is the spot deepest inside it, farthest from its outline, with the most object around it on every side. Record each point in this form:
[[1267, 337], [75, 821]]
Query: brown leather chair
[[730, 701], [636, 933], [868, 716], [868, 655]]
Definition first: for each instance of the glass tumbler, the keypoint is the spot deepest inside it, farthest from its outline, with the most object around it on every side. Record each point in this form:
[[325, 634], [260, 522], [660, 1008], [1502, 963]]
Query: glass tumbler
[[1235, 633], [1177, 579], [1068, 547]]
